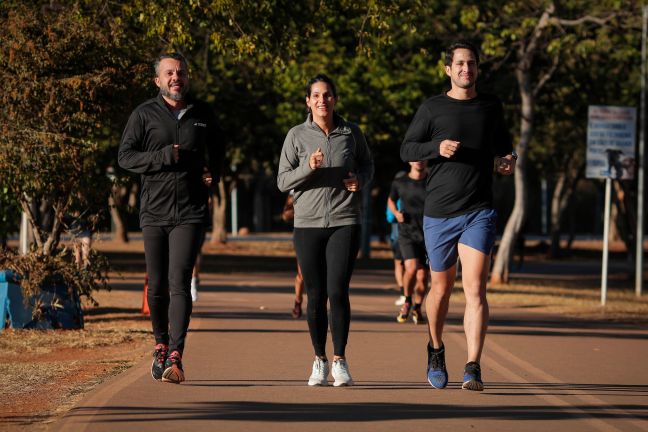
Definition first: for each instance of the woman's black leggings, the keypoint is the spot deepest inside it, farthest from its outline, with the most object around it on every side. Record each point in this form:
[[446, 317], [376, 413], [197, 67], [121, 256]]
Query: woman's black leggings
[[170, 253], [326, 257]]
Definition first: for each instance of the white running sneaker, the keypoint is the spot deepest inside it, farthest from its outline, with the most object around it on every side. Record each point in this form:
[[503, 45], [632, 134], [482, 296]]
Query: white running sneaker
[[341, 373], [194, 289], [319, 377], [400, 301]]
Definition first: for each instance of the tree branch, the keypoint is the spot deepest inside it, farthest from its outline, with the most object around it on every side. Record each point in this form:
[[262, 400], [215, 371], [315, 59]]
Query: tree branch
[[581, 20]]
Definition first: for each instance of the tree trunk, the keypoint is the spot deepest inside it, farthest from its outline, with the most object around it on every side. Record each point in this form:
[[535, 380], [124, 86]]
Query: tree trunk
[[500, 270], [556, 215], [625, 222], [562, 194], [115, 201], [219, 208]]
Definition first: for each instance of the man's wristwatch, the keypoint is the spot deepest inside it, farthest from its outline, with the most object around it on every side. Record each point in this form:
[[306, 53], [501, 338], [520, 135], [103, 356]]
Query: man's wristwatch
[[514, 155]]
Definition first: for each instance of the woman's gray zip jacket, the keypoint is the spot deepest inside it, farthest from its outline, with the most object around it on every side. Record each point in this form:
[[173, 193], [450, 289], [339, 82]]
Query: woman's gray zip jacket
[[321, 200], [172, 193]]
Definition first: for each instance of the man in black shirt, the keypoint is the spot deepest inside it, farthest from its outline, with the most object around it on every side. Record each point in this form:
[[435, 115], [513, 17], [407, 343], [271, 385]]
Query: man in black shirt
[[410, 190], [461, 134]]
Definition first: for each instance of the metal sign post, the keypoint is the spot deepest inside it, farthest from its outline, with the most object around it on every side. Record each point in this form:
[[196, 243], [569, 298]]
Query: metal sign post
[[606, 240]]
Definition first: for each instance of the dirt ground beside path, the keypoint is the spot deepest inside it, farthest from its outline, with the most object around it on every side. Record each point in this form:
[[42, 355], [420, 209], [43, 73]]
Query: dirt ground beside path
[[45, 373]]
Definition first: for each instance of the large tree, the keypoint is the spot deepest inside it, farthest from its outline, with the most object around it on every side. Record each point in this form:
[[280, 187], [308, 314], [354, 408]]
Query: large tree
[[534, 39], [64, 68]]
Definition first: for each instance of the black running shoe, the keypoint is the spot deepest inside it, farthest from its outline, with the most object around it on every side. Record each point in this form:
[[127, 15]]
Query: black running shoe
[[173, 371], [472, 377], [437, 374], [159, 357]]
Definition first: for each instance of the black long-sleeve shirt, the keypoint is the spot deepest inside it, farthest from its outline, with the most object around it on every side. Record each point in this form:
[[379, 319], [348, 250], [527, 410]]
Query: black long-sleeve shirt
[[460, 184]]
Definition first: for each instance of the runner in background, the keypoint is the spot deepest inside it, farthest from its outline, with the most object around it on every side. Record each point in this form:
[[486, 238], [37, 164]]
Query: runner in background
[[393, 241], [288, 214], [410, 192]]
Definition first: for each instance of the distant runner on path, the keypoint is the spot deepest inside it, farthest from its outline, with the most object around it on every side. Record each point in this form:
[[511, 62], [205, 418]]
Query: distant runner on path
[[410, 190], [461, 134], [172, 142], [326, 161]]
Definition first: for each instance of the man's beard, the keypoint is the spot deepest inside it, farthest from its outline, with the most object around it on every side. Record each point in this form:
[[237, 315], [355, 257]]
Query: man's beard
[[164, 91]]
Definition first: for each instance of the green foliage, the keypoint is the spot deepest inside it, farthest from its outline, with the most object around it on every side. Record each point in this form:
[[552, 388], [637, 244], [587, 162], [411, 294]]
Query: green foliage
[[63, 67], [79, 68], [62, 74], [9, 213]]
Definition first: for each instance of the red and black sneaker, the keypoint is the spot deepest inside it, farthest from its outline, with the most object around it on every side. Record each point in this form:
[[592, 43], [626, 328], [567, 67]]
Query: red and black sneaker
[[173, 371], [159, 359]]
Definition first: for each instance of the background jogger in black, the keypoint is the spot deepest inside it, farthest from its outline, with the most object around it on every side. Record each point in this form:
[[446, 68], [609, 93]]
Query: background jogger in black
[[171, 251], [338, 248]]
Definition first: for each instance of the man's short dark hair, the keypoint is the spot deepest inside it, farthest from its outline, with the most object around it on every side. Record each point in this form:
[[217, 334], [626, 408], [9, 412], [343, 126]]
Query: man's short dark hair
[[173, 55], [449, 53]]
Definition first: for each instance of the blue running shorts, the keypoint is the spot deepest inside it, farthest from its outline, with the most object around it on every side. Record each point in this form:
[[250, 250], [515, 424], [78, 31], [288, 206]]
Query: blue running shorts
[[442, 235]]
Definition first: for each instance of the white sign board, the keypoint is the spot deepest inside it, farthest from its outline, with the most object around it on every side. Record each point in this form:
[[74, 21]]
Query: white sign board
[[611, 135]]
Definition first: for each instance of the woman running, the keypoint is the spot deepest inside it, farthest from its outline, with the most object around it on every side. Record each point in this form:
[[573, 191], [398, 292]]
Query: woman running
[[326, 161]]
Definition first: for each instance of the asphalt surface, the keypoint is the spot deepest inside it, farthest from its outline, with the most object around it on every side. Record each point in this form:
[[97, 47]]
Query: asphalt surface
[[247, 363]]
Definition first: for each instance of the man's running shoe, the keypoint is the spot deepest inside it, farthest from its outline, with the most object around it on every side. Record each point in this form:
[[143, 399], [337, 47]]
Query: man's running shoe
[[472, 377], [436, 370], [341, 373], [173, 371], [417, 315], [159, 357], [296, 310], [400, 301], [319, 376], [404, 313]]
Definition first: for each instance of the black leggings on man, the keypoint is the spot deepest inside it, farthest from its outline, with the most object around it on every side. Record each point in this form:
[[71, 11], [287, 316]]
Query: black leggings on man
[[170, 253], [326, 257]]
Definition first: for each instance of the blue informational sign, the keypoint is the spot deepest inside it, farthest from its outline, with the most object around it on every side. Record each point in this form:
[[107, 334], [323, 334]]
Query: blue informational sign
[[611, 136]]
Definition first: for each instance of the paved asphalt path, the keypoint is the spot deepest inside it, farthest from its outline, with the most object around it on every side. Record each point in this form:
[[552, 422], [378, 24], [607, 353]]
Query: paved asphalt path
[[247, 363]]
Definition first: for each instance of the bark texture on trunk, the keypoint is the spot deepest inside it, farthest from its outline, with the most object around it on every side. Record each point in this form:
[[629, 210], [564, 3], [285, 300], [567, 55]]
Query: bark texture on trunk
[[219, 216]]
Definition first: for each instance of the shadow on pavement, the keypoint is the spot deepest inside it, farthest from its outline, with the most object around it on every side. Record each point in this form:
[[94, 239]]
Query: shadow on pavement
[[355, 412]]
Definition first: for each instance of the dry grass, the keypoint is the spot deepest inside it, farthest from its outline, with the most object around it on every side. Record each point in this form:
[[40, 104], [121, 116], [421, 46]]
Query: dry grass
[[574, 301], [40, 342]]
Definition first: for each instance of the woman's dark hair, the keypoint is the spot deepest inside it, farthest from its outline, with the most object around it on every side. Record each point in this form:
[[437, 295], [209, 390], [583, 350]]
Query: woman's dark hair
[[449, 52], [321, 78]]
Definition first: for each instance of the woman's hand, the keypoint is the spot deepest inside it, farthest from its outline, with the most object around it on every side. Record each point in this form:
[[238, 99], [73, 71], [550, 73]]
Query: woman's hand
[[316, 159]]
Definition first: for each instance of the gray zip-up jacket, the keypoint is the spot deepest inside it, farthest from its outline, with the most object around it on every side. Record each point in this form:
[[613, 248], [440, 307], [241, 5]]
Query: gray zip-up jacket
[[321, 200]]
